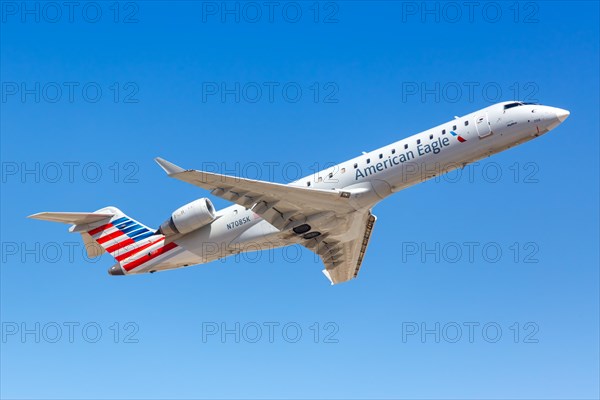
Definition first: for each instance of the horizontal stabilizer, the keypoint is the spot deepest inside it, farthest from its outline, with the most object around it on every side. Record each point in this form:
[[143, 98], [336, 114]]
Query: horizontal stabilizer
[[77, 218], [109, 230]]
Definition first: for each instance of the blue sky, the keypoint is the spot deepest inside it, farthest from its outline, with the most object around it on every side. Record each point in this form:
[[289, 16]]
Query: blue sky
[[88, 100]]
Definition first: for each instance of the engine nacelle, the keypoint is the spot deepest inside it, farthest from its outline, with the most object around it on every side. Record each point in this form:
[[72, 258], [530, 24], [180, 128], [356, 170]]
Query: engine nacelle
[[188, 218]]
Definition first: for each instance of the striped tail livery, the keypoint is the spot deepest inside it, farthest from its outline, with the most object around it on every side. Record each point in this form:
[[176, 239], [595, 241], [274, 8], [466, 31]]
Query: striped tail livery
[[132, 244]]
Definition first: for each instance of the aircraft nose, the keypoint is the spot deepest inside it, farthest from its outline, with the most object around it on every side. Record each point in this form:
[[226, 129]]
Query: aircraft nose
[[116, 270], [561, 114]]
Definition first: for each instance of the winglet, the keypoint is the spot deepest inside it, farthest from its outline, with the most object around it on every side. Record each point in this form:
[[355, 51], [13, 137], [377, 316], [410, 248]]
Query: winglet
[[326, 273], [168, 167]]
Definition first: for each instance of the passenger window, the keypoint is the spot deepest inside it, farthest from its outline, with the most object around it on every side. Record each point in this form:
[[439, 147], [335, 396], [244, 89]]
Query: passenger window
[[443, 131], [466, 123], [454, 127], [343, 170], [405, 146], [308, 183], [418, 141], [320, 179], [430, 137], [393, 151], [368, 161], [331, 174], [381, 156], [355, 165]]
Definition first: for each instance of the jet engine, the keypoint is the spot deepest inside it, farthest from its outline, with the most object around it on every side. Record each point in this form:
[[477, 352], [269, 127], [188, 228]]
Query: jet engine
[[188, 218]]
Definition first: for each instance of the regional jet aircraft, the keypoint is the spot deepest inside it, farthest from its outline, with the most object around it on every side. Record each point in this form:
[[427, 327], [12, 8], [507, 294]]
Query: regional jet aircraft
[[328, 212]]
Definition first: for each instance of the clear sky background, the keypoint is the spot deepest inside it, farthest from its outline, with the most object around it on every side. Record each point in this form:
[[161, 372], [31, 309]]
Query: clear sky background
[[368, 74]]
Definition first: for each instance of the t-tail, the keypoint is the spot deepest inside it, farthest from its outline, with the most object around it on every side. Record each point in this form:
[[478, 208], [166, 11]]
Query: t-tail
[[131, 243]]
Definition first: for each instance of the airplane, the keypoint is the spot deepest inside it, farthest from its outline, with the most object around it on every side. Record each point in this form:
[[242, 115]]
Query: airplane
[[328, 212]]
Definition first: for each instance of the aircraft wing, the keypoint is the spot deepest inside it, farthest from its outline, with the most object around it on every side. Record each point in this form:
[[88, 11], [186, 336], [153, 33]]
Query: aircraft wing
[[344, 230], [275, 202]]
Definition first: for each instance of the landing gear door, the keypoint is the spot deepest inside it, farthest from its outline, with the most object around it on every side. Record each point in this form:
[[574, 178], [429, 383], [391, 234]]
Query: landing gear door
[[482, 124]]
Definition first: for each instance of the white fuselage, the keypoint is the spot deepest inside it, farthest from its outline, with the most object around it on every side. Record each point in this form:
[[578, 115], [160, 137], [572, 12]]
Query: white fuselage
[[375, 175]]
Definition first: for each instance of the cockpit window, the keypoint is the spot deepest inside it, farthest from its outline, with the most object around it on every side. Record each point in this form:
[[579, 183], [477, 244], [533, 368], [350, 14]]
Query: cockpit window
[[511, 105]]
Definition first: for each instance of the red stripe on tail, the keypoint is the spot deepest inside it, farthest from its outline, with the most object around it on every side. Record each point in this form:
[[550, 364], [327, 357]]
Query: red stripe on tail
[[136, 250], [150, 256], [110, 236], [100, 229], [120, 245]]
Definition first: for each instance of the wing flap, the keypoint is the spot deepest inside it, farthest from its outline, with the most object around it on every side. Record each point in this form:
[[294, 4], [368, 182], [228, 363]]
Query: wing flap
[[343, 259]]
